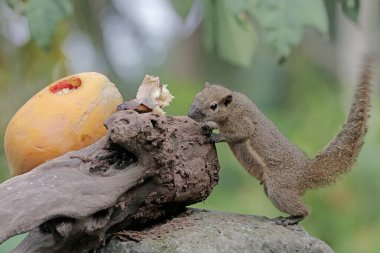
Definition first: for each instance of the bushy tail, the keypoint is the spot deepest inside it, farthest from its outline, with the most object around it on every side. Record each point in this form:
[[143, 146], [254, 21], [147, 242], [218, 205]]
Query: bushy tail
[[339, 156]]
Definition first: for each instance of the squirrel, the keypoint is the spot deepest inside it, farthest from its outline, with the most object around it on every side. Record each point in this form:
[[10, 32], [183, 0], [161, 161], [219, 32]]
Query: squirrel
[[284, 170]]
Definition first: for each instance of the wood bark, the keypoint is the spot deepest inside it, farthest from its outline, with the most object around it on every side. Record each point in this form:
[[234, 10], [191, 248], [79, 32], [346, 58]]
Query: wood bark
[[145, 168]]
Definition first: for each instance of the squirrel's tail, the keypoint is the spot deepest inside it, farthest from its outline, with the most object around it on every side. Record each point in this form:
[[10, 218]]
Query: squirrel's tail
[[339, 156]]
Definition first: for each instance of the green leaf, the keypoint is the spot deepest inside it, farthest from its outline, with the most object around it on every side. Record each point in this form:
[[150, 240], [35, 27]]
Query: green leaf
[[236, 37], [182, 7], [238, 6], [209, 26], [43, 17], [314, 14], [283, 22], [16, 5], [229, 32], [12, 3], [351, 9]]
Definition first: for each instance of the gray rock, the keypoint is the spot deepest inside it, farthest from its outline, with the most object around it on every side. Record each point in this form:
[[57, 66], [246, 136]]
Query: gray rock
[[209, 231]]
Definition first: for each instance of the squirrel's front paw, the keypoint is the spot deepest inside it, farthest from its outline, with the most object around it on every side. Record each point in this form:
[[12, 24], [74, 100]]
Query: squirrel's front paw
[[209, 139], [206, 130], [215, 138]]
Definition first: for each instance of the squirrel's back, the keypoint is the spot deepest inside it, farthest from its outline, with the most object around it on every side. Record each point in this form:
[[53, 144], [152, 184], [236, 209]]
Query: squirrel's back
[[267, 147]]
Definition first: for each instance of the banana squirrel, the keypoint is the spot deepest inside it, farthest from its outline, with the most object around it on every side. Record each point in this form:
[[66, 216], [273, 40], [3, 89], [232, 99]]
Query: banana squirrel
[[284, 170]]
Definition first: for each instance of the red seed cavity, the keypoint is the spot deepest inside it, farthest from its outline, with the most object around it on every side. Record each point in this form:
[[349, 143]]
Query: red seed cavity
[[70, 83]]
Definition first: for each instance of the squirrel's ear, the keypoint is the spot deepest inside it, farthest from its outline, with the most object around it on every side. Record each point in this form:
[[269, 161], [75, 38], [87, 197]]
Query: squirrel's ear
[[227, 100], [207, 84]]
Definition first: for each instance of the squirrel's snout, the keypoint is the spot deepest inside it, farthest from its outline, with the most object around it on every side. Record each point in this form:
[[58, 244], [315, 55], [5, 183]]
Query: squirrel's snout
[[194, 113], [191, 112]]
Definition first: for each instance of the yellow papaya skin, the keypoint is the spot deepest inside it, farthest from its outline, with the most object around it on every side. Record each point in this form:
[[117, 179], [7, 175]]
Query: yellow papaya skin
[[64, 116]]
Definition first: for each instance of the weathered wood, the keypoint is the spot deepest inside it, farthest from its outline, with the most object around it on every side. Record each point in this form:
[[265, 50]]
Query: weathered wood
[[147, 166]]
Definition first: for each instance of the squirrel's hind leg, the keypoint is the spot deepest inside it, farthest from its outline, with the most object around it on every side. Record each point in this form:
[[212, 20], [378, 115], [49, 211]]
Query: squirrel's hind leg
[[289, 202]]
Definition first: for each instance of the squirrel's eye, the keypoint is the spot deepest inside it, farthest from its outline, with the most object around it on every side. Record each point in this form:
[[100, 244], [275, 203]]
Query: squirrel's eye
[[213, 106]]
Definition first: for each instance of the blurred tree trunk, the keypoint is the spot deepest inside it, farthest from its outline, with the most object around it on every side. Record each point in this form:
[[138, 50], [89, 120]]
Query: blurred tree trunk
[[354, 40]]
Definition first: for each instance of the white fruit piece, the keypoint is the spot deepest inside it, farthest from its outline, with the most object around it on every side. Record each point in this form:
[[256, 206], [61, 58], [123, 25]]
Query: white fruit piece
[[151, 89]]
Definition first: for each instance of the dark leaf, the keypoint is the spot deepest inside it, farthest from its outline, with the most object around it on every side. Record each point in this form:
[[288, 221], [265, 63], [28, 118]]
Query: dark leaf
[[229, 32], [283, 22], [43, 17], [209, 24], [351, 9], [16, 5], [182, 7]]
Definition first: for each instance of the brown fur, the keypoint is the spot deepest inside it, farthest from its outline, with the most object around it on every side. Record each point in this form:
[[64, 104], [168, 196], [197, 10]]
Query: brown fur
[[264, 151], [338, 157]]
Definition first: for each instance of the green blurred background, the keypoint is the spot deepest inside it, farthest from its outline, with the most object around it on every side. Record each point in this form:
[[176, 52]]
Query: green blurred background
[[298, 60]]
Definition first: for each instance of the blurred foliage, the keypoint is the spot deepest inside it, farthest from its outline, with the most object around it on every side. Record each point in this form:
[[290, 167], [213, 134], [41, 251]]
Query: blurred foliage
[[228, 25], [231, 27], [8, 245], [302, 97], [182, 7], [230, 34], [283, 22], [43, 17], [351, 8]]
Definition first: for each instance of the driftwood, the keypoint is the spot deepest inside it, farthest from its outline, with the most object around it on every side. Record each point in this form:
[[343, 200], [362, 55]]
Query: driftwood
[[146, 167]]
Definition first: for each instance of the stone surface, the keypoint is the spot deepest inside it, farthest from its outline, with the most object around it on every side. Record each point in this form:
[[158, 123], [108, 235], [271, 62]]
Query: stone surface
[[206, 231]]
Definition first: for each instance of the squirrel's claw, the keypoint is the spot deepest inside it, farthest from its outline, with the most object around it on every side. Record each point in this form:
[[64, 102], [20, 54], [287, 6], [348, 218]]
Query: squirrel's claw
[[206, 130], [209, 139], [217, 137], [285, 221]]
